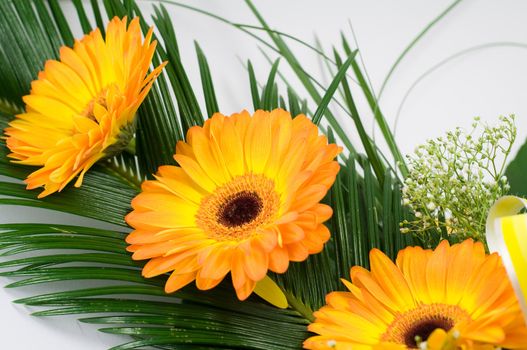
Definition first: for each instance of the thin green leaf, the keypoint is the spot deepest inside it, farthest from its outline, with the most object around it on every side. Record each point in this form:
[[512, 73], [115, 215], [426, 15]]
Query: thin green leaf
[[367, 143], [268, 98], [421, 34], [357, 228], [254, 87], [323, 105], [284, 50], [206, 82], [370, 206], [379, 117], [340, 232], [294, 105]]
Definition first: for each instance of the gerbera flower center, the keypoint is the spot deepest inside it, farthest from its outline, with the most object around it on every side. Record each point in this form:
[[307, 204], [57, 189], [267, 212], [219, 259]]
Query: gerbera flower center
[[237, 209], [422, 330], [126, 130], [99, 99], [240, 209], [416, 325]]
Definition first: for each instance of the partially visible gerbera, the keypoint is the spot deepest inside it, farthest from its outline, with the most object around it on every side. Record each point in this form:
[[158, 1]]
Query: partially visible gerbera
[[456, 293], [443, 340], [81, 109], [244, 199]]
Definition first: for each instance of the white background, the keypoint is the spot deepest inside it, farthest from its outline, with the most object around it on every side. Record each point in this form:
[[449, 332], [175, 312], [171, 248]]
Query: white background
[[486, 82]]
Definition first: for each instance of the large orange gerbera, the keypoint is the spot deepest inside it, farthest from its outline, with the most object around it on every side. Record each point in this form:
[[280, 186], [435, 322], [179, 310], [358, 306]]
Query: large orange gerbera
[[81, 109], [244, 200], [456, 293]]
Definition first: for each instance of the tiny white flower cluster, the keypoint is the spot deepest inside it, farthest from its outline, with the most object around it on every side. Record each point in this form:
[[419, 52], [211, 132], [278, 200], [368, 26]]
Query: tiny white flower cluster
[[454, 180]]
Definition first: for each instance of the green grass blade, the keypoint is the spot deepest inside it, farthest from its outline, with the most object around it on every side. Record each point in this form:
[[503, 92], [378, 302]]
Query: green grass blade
[[357, 228], [323, 105], [367, 143], [370, 206], [294, 105], [340, 228], [206, 82], [254, 87], [389, 226], [421, 34], [379, 117], [305, 110], [284, 50], [268, 95]]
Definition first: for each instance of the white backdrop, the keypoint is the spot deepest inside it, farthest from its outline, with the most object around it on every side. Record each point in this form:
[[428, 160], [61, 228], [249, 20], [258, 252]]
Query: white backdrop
[[485, 82]]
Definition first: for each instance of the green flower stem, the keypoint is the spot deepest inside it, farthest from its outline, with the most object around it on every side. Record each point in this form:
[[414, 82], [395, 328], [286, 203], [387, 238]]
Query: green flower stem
[[298, 306], [130, 148]]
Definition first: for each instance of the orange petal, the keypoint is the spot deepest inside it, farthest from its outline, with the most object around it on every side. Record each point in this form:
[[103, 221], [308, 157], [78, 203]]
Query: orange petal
[[176, 281], [245, 290], [391, 279], [256, 262], [278, 260], [297, 251]]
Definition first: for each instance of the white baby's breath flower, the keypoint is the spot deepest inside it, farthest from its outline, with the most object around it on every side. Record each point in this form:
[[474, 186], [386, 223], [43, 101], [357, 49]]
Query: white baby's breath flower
[[462, 172]]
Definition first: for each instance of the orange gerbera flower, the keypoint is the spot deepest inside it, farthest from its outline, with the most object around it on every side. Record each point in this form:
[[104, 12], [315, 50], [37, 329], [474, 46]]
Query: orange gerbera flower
[[81, 109], [244, 200], [454, 297]]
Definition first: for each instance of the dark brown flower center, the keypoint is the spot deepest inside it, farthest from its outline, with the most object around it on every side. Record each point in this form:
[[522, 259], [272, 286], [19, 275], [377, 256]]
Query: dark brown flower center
[[421, 330], [239, 209], [415, 325]]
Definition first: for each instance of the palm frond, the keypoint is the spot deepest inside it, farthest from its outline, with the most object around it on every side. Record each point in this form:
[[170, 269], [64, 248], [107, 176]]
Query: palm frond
[[188, 317], [365, 198], [25, 22], [105, 194]]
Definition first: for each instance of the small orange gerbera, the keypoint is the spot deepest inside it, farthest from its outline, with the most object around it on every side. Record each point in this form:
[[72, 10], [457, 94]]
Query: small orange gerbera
[[454, 297], [244, 199], [81, 109]]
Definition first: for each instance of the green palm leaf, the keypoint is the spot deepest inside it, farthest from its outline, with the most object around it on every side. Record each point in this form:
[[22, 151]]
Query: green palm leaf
[[190, 317], [365, 198], [202, 318]]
